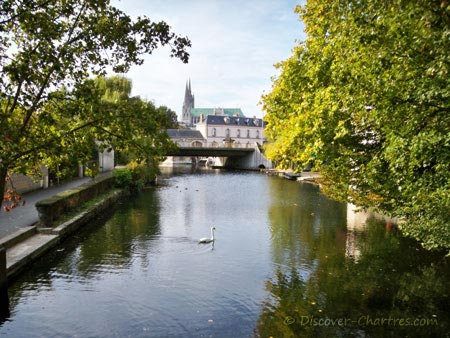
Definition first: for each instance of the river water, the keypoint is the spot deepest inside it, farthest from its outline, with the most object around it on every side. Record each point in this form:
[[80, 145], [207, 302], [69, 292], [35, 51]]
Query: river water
[[287, 262]]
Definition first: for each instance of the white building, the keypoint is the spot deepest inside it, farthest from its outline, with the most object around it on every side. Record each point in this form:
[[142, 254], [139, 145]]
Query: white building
[[236, 131]]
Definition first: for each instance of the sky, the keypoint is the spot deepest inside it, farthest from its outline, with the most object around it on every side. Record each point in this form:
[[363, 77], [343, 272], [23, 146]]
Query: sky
[[235, 44]]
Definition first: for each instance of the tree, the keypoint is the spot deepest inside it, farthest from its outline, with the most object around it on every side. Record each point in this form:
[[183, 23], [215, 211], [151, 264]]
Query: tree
[[133, 126], [50, 44], [366, 96], [172, 117]]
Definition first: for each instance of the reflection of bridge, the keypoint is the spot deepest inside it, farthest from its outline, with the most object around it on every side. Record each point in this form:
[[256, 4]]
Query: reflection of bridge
[[243, 156]]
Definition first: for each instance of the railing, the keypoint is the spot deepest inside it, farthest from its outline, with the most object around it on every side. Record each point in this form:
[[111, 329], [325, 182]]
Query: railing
[[198, 144]]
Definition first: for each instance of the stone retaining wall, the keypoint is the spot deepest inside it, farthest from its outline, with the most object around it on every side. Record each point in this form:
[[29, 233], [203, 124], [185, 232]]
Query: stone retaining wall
[[23, 253], [22, 183], [54, 207]]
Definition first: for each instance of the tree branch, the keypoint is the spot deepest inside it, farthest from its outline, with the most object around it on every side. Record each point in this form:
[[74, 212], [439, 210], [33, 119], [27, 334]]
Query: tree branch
[[121, 137], [32, 109], [44, 85], [4, 22]]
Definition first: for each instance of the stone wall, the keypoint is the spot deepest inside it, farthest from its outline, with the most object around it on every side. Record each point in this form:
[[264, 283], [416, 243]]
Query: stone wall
[[23, 184], [54, 207]]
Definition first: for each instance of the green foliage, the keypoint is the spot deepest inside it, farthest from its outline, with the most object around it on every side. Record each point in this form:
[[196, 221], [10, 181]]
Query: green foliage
[[123, 177], [135, 175], [143, 173], [46, 45], [327, 270], [172, 119], [366, 96], [91, 168], [115, 88]]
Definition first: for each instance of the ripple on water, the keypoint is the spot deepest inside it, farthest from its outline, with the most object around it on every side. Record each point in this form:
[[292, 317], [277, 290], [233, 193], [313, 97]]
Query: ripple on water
[[166, 245]]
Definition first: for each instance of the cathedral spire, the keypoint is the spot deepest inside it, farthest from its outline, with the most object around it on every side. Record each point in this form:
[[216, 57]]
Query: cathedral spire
[[188, 104], [186, 91]]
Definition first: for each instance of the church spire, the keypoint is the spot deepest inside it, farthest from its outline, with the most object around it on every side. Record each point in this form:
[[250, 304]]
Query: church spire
[[187, 91], [188, 104]]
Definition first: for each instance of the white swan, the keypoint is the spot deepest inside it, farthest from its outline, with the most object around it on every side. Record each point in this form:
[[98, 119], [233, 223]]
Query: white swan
[[205, 240]]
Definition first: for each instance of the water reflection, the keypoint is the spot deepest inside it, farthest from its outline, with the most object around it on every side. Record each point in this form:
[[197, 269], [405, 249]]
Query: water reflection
[[4, 304], [103, 251], [363, 280], [286, 258]]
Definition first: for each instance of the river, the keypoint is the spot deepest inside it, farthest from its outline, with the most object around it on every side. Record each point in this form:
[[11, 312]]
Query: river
[[287, 262]]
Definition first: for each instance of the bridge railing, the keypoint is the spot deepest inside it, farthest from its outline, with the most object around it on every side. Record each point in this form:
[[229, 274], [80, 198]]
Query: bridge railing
[[198, 144]]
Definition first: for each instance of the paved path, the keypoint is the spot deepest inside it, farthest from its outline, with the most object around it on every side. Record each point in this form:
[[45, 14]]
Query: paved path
[[27, 215]]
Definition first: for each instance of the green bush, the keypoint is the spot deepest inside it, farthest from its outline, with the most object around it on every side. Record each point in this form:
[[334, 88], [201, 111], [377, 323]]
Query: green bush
[[123, 177], [142, 173]]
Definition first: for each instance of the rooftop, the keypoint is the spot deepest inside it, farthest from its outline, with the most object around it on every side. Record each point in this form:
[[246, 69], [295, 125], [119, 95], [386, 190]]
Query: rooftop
[[232, 120], [185, 134], [217, 111]]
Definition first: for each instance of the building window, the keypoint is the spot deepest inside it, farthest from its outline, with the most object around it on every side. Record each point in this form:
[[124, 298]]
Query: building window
[[227, 132], [214, 132], [248, 133], [238, 133], [257, 134]]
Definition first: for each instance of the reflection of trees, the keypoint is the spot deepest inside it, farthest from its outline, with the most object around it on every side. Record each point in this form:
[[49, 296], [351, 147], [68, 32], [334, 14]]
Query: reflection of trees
[[392, 277], [103, 243], [113, 244], [303, 222]]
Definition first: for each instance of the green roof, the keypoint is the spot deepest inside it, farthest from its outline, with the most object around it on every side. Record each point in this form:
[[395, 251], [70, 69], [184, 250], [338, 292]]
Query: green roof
[[210, 111]]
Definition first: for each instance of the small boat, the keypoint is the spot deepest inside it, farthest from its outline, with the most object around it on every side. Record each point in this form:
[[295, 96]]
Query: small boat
[[291, 176]]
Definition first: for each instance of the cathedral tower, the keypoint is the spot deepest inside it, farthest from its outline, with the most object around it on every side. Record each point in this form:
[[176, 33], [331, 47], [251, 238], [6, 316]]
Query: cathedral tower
[[188, 105]]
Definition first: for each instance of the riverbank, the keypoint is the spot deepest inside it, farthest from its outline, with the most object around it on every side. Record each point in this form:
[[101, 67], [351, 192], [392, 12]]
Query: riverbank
[[306, 176], [31, 241]]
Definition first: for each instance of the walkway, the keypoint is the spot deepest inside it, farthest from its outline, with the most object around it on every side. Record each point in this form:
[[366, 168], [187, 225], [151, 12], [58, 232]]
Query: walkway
[[27, 215]]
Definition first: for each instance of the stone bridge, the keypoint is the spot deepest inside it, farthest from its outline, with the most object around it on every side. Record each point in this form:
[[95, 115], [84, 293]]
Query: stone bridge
[[239, 156]]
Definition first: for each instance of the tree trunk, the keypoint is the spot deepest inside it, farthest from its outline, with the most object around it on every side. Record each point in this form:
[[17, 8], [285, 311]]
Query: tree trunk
[[3, 173]]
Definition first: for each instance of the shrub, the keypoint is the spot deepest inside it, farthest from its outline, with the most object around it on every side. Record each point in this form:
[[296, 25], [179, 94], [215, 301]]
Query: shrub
[[123, 177], [143, 173]]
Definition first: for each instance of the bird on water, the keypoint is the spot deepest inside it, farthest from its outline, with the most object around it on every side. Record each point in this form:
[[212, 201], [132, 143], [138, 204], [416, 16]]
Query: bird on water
[[205, 240]]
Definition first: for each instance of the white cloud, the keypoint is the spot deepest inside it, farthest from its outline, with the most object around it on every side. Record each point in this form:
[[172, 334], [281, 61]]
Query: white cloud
[[234, 47]]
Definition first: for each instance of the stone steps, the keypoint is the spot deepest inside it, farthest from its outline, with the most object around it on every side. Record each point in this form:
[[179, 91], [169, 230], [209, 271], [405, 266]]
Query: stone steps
[[24, 252], [18, 236], [27, 244]]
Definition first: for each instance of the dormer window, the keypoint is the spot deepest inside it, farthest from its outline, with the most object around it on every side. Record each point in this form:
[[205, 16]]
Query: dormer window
[[226, 119]]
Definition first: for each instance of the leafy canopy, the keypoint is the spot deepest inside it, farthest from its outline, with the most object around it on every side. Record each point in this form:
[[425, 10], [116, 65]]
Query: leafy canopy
[[48, 48], [366, 98]]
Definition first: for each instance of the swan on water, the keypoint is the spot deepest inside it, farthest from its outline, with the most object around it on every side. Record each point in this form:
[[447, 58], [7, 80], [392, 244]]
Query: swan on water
[[206, 239]]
